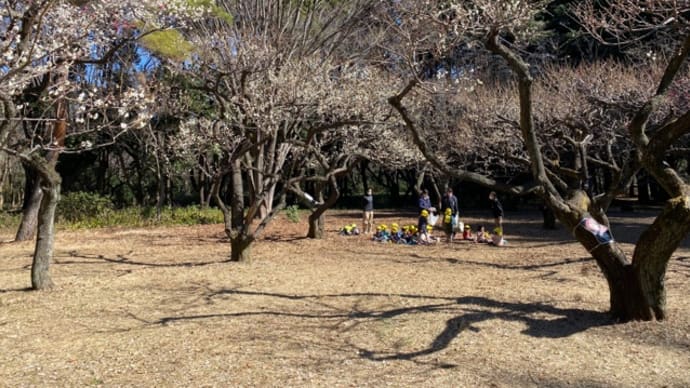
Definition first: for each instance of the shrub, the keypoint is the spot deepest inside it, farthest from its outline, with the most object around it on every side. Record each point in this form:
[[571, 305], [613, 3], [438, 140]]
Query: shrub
[[9, 220], [292, 213], [101, 215], [79, 206]]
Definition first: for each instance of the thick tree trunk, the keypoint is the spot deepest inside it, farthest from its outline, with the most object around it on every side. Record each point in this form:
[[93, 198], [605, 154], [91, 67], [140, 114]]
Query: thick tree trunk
[[549, 217], [240, 249], [655, 249], [317, 225], [317, 219], [40, 269], [31, 206], [627, 297], [628, 301]]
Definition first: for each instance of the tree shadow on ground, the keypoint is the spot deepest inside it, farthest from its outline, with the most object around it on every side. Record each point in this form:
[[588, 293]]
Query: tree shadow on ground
[[421, 259], [120, 259], [287, 239], [24, 289], [542, 320], [527, 267], [566, 323]]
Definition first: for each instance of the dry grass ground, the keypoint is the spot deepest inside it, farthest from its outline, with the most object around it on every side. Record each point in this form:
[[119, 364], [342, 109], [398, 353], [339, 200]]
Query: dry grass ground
[[162, 307]]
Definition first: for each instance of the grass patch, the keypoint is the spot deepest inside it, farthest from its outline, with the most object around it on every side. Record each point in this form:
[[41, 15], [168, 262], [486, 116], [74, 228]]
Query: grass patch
[[145, 216], [9, 220], [292, 213]]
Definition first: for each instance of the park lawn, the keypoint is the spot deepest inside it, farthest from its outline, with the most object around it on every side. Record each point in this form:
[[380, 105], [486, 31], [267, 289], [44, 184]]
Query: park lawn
[[163, 307]]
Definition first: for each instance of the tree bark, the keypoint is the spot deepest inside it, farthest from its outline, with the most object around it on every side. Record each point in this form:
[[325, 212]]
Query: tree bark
[[628, 301], [40, 269], [317, 225], [235, 229], [549, 217], [317, 219], [240, 249], [31, 206], [4, 173], [655, 248]]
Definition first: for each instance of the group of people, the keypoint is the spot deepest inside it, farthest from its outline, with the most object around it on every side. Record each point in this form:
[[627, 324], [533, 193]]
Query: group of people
[[428, 218]]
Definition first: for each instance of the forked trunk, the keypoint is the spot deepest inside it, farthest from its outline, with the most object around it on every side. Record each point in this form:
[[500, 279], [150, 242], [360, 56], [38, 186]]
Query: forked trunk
[[637, 290], [40, 269]]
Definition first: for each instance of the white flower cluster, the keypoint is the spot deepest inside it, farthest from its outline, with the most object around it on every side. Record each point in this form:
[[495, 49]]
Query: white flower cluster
[[45, 39]]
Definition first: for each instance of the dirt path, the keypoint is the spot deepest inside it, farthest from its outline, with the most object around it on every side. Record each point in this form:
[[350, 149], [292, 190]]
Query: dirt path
[[162, 307]]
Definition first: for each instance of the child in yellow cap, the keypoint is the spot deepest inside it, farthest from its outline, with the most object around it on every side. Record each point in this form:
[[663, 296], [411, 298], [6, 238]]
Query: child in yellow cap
[[422, 223]]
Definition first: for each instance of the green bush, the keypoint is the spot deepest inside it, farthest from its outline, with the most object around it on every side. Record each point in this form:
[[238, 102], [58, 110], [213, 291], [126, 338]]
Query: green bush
[[9, 220], [191, 215], [79, 206], [292, 213], [140, 217]]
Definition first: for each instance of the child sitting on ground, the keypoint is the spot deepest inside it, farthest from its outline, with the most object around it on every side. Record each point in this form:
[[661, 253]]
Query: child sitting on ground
[[497, 238], [430, 238], [396, 233], [349, 230], [482, 235], [409, 235], [382, 234], [467, 233]]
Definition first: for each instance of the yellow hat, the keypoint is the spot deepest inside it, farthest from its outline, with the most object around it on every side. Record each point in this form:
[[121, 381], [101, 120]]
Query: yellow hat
[[425, 213]]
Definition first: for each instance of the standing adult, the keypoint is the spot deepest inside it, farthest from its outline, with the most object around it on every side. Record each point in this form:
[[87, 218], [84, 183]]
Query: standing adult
[[496, 211], [368, 218], [449, 204], [424, 202]]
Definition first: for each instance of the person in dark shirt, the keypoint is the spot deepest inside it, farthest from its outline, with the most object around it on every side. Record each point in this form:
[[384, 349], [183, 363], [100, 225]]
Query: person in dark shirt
[[368, 217], [449, 204], [496, 210], [424, 202]]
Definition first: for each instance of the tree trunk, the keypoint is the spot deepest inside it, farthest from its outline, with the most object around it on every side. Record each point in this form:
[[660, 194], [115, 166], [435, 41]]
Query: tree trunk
[[40, 269], [628, 301], [240, 249], [235, 220], [626, 296], [4, 173], [655, 248], [317, 225], [317, 219], [549, 217], [31, 206], [363, 166]]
